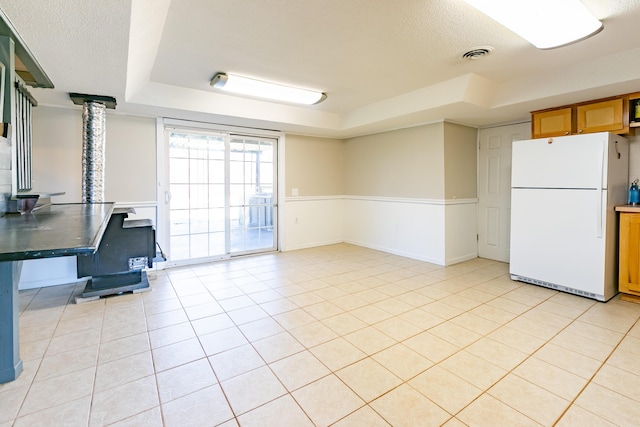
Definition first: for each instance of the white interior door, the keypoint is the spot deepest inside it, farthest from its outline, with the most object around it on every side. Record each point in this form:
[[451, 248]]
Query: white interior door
[[494, 188]]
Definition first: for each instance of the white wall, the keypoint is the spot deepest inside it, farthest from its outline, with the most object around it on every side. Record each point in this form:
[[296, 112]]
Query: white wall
[[312, 221], [409, 227]]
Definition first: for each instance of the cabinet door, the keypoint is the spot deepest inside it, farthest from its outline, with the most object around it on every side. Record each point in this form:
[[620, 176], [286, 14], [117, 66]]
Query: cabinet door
[[629, 277], [552, 123], [601, 116]]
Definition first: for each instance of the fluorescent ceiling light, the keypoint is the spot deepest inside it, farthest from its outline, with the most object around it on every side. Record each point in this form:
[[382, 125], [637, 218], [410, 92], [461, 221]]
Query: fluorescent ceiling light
[[543, 23], [261, 89]]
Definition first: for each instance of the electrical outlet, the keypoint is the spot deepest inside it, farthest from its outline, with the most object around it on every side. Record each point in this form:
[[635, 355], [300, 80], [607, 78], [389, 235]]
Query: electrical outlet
[[294, 191]]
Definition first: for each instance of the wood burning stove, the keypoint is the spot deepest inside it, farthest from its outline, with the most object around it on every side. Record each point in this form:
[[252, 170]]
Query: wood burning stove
[[127, 247]]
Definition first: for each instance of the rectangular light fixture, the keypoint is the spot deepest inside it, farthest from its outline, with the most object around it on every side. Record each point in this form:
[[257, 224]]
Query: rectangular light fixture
[[261, 89], [543, 23]]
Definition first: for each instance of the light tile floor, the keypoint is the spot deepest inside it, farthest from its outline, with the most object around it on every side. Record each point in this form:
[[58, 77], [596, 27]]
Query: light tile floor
[[337, 335]]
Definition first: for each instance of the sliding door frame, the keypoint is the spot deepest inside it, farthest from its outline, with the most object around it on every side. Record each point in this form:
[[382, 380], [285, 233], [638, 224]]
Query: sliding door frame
[[163, 191]]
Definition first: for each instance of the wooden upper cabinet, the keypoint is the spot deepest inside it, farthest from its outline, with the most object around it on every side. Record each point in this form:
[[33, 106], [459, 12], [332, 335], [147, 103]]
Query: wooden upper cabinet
[[601, 116], [551, 123], [605, 115]]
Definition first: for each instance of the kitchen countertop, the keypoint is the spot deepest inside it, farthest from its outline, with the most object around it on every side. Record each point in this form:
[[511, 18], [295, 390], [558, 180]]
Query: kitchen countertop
[[56, 230], [628, 208]]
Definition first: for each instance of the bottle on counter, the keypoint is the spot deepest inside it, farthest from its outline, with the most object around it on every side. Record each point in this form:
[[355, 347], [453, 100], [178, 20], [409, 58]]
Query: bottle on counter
[[634, 193]]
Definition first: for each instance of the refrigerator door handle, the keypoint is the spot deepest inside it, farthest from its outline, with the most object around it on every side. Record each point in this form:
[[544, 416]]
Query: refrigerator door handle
[[599, 194]]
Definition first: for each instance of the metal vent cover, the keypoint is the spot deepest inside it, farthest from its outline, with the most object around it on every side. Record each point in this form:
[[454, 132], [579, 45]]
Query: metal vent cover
[[477, 52]]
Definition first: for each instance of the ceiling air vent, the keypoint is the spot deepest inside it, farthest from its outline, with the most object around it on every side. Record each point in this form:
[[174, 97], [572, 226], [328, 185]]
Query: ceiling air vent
[[477, 52]]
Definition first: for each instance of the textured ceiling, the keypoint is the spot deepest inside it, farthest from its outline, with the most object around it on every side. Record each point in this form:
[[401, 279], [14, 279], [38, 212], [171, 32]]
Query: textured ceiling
[[383, 63]]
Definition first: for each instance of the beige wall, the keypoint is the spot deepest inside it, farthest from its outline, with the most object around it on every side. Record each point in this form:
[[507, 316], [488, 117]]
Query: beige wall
[[460, 163], [315, 166], [130, 171], [131, 159], [406, 163]]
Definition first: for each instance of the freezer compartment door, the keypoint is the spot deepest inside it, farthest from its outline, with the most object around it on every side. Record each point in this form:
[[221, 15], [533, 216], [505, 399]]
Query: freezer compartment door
[[563, 162], [555, 238]]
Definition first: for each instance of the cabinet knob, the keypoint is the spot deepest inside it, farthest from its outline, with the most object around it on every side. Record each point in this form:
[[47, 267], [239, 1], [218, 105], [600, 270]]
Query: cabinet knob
[[566, 133], [579, 130]]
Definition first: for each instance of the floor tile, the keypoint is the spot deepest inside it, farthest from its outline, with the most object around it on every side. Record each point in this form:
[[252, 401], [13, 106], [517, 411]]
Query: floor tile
[[252, 389], [236, 361], [118, 372], [171, 334], [363, 417], [72, 413], [177, 354], [421, 318], [497, 353], [620, 381], [551, 378], [487, 411], [456, 335], [600, 401], [568, 360], [67, 362], [402, 361], [247, 315], [327, 400], [10, 401], [368, 379], [423, 344], [445, 389], [577, 416], [440, 309], [150, 418], [107, 406], [299, 370], [494, 314], [74, 340], [430, 346], [123, 347], [516, 339], [261, 328], [162, 320], [200, 311], [277, 347], [397, 328], [294, 318], [476, 323], [203, 408], [587, 347], [223, 340], [338, 353], [473, 369], [182, 380], [210, 324], [283, 411], [370, 340], [371, 314], [405, 406], [529, 399], [313, 334], [344, 323]]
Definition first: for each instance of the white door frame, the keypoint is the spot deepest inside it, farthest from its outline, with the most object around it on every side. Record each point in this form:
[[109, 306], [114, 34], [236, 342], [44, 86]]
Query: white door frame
[[163, 194]]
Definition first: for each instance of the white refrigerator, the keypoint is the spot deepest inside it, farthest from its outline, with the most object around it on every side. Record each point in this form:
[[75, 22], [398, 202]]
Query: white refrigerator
[[564, 231]]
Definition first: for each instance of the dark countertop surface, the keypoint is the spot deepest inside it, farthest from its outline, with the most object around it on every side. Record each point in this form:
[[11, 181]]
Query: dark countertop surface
[[56, 230]]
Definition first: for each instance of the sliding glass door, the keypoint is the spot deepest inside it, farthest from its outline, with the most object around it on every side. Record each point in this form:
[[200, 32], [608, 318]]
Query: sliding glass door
[[222, 194]]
